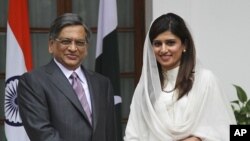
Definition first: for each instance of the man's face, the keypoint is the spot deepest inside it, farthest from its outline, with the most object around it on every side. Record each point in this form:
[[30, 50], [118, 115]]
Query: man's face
[[70, 48]]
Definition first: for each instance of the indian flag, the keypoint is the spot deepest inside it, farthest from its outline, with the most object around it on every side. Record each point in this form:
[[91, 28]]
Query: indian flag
[[18, 61]]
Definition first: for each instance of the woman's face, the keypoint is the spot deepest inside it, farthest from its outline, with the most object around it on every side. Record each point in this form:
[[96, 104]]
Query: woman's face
[[168, 50]]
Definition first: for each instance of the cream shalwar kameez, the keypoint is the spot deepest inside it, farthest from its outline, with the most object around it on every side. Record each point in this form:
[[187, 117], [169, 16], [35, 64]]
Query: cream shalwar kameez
[[157, 116]]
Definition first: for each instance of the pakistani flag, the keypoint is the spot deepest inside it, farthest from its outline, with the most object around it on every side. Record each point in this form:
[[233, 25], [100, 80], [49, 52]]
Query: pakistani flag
[[18, 61], [107, 58]]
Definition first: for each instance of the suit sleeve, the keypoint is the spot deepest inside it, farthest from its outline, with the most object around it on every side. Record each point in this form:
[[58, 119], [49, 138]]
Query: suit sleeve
[[34, 110], [111, 119]]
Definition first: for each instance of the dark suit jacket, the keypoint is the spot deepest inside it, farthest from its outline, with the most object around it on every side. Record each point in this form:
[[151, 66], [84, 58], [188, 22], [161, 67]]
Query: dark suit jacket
[[51, 111]]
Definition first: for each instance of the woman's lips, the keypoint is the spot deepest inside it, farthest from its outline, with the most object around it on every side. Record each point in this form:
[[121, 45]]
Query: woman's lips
[[165, 57]]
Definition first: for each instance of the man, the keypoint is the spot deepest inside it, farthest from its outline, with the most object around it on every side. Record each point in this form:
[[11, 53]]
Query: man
[[51, 106]]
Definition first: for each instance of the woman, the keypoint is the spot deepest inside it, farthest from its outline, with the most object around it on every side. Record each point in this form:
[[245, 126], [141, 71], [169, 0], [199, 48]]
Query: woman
[[175, 99]]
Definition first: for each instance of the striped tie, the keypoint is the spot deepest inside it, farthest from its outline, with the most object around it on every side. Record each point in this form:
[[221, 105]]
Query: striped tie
[[77, 86]]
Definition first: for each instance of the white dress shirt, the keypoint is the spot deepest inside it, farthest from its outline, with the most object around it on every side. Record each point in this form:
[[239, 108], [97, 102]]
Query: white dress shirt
[[82, 77]]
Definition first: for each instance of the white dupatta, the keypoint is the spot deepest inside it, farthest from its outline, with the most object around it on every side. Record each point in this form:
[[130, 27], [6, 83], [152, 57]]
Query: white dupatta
[[208, 113]]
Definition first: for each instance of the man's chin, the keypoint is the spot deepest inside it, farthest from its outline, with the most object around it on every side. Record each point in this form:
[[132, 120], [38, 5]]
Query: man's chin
[[72, 65]]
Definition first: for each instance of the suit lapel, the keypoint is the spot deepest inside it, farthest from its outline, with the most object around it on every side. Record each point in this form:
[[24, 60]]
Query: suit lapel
[[62, 83]]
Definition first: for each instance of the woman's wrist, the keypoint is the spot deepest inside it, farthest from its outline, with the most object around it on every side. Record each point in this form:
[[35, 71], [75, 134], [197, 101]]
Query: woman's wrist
[[191, 138]]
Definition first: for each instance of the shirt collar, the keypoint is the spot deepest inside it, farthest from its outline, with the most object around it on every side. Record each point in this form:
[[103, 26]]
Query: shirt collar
[[68, 72]]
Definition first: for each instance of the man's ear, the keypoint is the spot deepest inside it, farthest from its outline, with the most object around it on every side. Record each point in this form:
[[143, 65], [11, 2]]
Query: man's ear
[[51, 44]]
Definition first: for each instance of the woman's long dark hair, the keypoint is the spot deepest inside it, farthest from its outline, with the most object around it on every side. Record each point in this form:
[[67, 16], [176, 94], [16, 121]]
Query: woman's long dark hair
[[176, 25]]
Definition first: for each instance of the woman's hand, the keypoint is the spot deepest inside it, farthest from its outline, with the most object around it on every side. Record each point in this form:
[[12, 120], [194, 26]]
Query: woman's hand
[[191, 138]]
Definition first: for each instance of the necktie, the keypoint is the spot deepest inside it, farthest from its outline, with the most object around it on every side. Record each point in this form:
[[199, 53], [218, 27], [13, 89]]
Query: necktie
[[77, 86]]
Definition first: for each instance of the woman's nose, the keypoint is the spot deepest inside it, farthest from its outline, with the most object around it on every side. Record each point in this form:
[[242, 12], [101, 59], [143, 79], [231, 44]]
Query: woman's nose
[[164, 48]]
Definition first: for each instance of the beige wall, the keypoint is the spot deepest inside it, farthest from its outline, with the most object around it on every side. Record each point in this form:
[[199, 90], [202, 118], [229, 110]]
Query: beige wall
[[221, 30]]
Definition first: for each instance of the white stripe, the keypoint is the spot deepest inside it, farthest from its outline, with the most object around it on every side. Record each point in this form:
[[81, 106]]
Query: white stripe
[[107, 22], [117, 99], [16, 133], [15, 63]]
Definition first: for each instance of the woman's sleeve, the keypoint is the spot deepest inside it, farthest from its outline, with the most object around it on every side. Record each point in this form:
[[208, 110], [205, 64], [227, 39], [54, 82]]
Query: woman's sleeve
[[131, 132], [217, 115]]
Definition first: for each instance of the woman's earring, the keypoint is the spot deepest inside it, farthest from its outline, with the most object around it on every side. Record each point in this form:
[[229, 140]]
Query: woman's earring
[[184, 50]]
